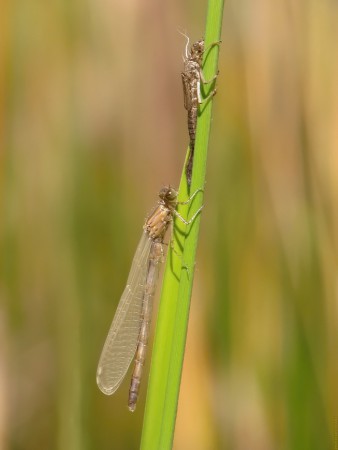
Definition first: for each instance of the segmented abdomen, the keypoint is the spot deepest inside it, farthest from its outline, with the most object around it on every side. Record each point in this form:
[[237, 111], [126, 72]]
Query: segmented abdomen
[[192, 121], [155, 257]]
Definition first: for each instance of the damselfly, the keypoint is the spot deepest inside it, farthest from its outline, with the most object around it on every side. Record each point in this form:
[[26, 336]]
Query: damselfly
[[128, 334], [192, 77]]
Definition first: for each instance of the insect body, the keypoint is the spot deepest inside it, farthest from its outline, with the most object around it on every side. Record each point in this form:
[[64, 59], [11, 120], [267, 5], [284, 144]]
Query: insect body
[[192, 77], [128, 334]]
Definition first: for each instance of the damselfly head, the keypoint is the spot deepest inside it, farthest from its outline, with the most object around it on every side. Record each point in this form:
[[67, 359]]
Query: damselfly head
[[168, 194]]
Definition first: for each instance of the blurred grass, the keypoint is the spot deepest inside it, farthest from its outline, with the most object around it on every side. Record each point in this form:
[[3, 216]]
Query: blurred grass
[[93, 123]]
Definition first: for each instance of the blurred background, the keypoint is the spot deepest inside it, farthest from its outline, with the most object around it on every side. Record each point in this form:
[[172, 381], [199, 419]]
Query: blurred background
[[93, 124]]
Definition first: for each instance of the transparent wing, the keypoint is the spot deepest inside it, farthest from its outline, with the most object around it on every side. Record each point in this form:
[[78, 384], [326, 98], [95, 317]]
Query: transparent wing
[[121, 342]]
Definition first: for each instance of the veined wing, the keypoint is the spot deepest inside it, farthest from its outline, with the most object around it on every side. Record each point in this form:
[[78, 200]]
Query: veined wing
[[121, 342]]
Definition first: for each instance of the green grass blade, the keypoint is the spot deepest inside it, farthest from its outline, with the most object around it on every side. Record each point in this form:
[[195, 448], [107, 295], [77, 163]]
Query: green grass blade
[[172, 322]]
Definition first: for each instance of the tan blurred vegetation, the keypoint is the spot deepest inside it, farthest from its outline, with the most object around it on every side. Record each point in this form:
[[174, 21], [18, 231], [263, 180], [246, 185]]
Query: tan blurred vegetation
[[93, 124]]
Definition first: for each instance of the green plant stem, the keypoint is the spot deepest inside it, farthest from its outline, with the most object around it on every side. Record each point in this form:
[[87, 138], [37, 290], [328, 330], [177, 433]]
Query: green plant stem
[[172, 322]]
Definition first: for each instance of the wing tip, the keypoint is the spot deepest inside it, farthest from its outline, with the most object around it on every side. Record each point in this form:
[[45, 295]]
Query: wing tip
[[107, 390]]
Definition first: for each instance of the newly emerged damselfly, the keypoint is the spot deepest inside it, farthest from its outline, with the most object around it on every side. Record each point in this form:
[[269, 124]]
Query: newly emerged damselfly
[[128, 334]]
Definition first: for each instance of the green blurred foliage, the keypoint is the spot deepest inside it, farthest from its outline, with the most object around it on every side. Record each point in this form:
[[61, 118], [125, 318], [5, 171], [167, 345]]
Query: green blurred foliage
[[93, 124]]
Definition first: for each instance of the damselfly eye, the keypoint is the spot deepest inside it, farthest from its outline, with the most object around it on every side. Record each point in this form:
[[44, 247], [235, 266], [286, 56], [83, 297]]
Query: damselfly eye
[[171, 194], [167, 194]]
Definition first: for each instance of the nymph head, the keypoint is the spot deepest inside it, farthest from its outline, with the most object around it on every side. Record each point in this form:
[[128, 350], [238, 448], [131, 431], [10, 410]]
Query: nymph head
[[197, 49]]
